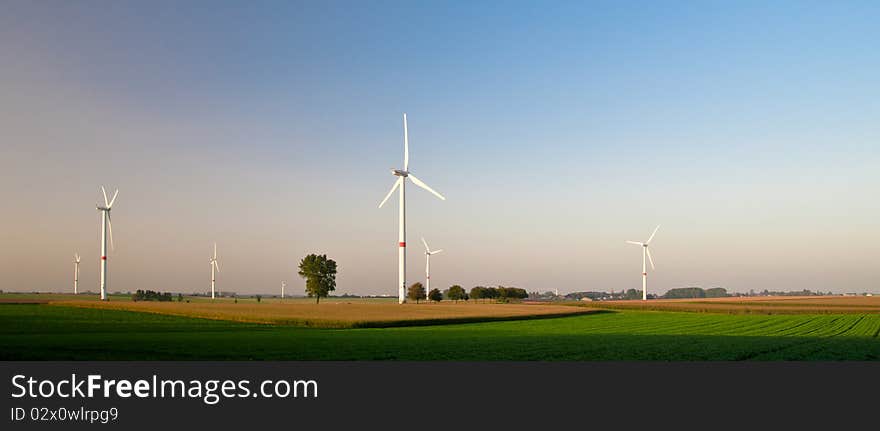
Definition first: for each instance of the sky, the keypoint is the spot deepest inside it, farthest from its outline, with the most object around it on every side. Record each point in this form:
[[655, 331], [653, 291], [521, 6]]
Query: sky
[[747, 130]]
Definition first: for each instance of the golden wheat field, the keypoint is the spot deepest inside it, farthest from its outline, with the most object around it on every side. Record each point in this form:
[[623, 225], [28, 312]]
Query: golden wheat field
[[338, 314], [754, 304]]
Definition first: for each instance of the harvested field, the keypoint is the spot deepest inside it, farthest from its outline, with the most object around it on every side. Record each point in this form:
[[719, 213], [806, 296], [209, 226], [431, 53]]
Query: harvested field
[[753, 305], [339, 314]]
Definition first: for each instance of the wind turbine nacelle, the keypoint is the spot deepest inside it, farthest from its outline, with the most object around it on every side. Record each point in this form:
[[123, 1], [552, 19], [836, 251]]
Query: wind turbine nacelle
[[399, 173]]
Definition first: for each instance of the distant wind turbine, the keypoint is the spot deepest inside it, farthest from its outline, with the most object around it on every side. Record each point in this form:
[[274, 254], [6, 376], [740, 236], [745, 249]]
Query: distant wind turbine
[[215, 264], [646, 253], [283, 283], [106, 227], [76, 261], [402, 175], [428, 254]]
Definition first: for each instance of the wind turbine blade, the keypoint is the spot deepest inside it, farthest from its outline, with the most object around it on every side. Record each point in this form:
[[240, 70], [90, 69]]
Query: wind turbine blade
[[110, 230], [652, 235], [650, 259], [217, 264], [393, 188], [215, 251], [436, 251], [428, 249], [405, 144], [634, 242], [113, 199], [419, 183], [104, 192]]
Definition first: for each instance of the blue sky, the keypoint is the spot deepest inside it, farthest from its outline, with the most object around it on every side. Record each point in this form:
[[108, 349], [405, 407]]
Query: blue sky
[[556, 131]]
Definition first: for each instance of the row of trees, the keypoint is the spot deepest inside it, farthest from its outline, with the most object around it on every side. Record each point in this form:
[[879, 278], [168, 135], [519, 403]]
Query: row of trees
[[149, 295], [696, 292], [416, 292], [500, 293]]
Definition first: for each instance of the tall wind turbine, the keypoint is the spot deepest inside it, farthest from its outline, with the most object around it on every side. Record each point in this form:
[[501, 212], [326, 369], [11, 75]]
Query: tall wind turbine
[[215, 264], [76, 261], [402, 175], [646, 255], [428, 254], [283, 283], [106, 227]]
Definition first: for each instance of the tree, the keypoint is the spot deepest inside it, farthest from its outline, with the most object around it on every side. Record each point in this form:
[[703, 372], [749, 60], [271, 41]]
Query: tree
[[490, 293], [455, 293], [416, 292], [632, 294], [716, 292], [179, 297], [149, 295], [685, 292], [477, 292], [435, 295], [320, 275]]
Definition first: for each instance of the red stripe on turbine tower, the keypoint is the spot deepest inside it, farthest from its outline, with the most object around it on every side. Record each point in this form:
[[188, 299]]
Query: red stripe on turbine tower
[[103, 257], [402, 244]]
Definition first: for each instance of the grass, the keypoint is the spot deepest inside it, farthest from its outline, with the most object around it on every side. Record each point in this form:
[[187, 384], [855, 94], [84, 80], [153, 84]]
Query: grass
[[44, 332]]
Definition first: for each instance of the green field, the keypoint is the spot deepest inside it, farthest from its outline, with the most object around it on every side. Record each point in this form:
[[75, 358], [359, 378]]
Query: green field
[[42, 332]]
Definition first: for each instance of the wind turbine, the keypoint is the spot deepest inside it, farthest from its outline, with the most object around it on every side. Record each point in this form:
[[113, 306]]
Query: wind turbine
[[215, 264], [106, 227], [428, 254], [402, 175], [283, 283], [76, 261], [646, 253]]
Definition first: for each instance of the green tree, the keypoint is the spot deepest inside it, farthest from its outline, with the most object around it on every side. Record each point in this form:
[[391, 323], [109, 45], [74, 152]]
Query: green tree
[[685, 292], [456, 293], [490, 293], [716, 292], [477, 292], [416, 292], [632, 294], [320, 275], [435, 295]]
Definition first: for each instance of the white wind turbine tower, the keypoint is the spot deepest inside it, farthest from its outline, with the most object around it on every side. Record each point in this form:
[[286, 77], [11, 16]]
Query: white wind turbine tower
[[428, 254], [646, 255], [283, 283], [402, 175], [215, 264], [76, 261], [106, 227]]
